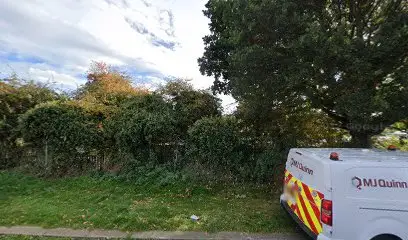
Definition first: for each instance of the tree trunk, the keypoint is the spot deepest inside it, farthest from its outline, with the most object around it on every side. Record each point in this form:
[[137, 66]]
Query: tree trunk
[[361, 139]]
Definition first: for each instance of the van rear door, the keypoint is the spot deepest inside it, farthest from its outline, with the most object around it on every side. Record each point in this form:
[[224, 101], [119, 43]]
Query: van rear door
[[306, 178]]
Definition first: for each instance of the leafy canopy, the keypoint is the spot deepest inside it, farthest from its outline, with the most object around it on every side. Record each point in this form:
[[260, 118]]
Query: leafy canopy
[[16, 97], [347, 58], [65, 128], [105, 90]]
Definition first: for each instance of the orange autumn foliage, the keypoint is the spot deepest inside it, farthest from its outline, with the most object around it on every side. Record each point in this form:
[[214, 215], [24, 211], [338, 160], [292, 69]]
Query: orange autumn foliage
[[105, 90]]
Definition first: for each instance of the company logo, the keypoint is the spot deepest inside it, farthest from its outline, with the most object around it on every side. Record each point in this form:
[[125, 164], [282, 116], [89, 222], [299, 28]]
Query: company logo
[[374, 183], [356, 182], [300, 166]]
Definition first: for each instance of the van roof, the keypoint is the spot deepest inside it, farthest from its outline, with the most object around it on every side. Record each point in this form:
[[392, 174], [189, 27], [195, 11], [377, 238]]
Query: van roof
[[356, 154]]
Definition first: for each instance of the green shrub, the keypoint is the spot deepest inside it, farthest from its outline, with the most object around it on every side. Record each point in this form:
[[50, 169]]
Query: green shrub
[[221, 149], [64, 133], [267, 165], [16, 97], [216, 142], [146, 129]]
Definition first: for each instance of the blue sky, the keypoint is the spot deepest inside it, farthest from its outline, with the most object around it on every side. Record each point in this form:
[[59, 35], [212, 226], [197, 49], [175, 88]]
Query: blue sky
[[49, 40]]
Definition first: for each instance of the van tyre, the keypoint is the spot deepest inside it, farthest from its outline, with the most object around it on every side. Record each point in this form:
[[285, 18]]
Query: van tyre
[[386, 237]]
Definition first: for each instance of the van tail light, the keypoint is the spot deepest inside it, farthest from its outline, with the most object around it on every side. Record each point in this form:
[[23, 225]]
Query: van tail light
[[327, 212], [334, 156]]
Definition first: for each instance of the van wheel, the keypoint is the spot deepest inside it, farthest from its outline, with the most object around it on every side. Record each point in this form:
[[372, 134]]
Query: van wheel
[[386, 237]]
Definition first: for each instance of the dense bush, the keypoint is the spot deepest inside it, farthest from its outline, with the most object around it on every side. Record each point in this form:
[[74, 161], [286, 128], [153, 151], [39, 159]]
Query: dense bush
[[216, 141], [17, 97], [64, 133], [223, 147], [109, 127], [153, 128], [145, 128]]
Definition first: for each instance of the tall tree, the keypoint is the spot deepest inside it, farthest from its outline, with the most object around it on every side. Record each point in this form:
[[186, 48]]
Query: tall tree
[[105, 90], [348, 58]]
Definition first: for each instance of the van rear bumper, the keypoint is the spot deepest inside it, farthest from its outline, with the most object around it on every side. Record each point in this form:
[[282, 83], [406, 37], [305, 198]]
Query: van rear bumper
[[322, 237], [289, 211]]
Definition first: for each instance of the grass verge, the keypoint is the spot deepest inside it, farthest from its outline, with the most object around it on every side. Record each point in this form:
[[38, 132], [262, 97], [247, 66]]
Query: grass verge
[[20, 237], [87, 202]]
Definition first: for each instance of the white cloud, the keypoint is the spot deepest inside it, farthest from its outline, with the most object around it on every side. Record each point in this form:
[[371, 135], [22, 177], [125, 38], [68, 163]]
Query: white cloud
[[52, 77], [151, 38]]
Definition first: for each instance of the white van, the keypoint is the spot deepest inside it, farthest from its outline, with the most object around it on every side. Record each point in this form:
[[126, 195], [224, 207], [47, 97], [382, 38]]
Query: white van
[[348, 194]]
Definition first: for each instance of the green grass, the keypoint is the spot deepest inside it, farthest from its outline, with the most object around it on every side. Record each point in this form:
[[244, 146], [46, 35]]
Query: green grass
[[20, 237], [87, 202]]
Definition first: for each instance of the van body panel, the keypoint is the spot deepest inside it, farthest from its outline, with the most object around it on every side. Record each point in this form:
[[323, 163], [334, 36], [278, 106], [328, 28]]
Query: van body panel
[[304, 188], [368, 189], [384, 225], [376, 197]]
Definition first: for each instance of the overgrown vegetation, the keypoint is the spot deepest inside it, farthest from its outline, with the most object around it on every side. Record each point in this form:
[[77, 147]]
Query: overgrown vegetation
[[112, 155], [87, 202], [176, 133], [305, 74], [16, 98]]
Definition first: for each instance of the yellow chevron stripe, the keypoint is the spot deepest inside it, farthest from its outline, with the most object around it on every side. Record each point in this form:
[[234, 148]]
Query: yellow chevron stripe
[[289, 202], [318, 203], [314, 218], [301, 210], [308, 205]]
